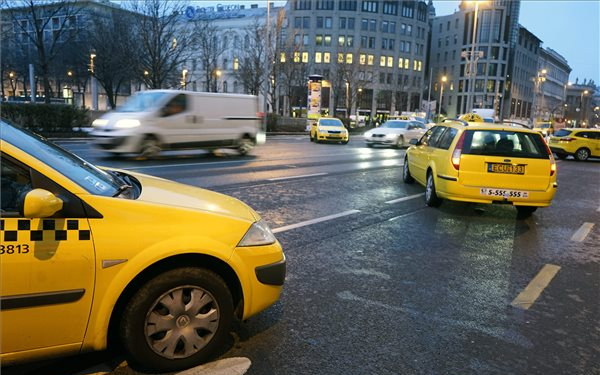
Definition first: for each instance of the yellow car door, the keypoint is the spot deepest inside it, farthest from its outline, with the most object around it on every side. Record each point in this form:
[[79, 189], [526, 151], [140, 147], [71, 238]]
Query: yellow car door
[[47, 267], [421, 155]]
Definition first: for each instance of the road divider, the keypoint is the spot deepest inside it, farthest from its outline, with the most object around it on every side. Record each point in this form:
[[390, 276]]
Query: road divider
[[403, 199], [314, 221], [530, 294], [582, 232]]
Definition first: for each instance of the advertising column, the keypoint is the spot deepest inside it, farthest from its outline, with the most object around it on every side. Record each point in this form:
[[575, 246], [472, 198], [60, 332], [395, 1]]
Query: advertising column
[[314, 97]]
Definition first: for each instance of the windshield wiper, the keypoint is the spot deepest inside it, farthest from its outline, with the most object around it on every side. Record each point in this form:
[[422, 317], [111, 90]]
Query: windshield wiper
[[122, 189]]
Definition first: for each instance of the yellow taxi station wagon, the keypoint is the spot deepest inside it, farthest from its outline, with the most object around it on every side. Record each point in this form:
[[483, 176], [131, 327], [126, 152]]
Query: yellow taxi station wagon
[[88, 253], [483, 163]]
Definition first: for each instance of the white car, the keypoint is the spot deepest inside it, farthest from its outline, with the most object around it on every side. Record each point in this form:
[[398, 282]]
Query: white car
[[395, 133]]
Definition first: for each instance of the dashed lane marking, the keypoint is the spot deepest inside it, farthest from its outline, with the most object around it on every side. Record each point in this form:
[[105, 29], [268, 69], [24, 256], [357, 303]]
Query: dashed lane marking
[[530, 294], [405, 198], [314, 221], [294, 177], [582, 232]]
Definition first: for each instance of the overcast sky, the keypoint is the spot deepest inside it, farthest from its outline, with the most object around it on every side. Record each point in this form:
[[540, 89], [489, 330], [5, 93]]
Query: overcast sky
[[570, 27]]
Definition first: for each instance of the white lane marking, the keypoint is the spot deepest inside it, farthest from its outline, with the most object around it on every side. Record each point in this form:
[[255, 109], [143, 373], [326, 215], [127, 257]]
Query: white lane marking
[[314, 221], [530, 294], [293, 177], [582, 232], [227, 366], [405, 198]]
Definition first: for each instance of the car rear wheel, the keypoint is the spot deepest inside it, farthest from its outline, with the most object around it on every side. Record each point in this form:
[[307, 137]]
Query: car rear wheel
[[582, 154], [431, 198], [561, 156], [524, 212], [245, 145], [406, 176], [177, 320], [150, 147]]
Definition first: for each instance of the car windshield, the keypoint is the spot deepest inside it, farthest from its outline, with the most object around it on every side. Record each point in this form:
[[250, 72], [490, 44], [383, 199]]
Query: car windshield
[[89, 177], [395, 124], [330, 122], [563, 133], [141, 102], [505, 143]]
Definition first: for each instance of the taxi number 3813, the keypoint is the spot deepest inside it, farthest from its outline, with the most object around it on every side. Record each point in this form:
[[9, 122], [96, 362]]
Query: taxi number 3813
[[14, 249]]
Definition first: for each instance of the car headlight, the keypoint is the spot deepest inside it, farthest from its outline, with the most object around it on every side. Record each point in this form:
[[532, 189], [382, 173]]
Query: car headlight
[[259, 234], [127, 123], [367, 134], [99, 122], [391, 136]]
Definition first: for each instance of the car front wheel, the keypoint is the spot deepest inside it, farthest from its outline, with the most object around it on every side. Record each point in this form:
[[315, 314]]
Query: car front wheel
[[177, 320], [431, 198], [406, 176]]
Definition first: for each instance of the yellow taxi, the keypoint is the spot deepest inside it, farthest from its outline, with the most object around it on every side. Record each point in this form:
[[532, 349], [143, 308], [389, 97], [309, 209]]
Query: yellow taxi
[[328, 129], [582, 143], [85, 251], [483, 163]]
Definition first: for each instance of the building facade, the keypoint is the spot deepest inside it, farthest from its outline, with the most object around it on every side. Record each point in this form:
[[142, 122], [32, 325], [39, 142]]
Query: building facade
[[582, 103], [554, 71], [371, 54]]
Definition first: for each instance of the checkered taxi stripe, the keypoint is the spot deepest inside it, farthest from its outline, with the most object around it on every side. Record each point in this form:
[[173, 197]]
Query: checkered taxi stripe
[[47, 230]]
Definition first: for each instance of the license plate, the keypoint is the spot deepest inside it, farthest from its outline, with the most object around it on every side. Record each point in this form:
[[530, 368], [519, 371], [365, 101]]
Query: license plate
[[506, 168], [504, 193]]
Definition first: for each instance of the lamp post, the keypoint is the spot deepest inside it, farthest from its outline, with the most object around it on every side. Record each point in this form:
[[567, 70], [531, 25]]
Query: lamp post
[[444, 79], [581, 105], [184, 78], [565, 97], [218, 74], [542, 78], [539, 78], [347, 98], [472, 60], [94, 82], [358, 105]]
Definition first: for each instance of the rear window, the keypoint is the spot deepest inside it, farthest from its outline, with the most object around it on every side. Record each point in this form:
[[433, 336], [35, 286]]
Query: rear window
[[563, 133], [505, 143]]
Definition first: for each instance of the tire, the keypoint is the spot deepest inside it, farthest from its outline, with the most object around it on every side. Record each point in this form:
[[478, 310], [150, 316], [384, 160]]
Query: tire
[[369, 145], [245, 145], [561, 156], [161, 336], [311, 137], [345, 142], [582, 154], [524, 212], [431, 198], [400, 142], [317, 138], [406, 176], [150, 147]]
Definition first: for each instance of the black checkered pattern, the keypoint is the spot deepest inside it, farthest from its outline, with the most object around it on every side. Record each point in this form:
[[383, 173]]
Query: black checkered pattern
[[49, 230]]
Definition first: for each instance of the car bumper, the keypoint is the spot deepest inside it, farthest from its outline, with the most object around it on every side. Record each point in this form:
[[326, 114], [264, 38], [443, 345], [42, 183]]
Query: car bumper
[[115, 142], [262, 275], [557, 149], [452, 190], [332, 137], [381, 141]]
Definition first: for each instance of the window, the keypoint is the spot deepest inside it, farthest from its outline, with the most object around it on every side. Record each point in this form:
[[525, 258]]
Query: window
[[305, 40], [305, 57], [340, 58], [390, 62], [447, 138], [372, 25], [16, 181], [432, 136], [384, 43], [341, 40], [327, 57], [369, 6], [393, 27], [327, 40], [348, 5], [350, 23], [325, 5], [407, 9], [298, 22], [362, 59], [350, 41], [302, 4], [328, 22], [319, 40], [364, 24], [342, 23], [370, 60], [382, 60], [318, 57], [408, 29], [390, 7], [319, 22], [400, 63], [363, 42], [372, 42], [384, 26], [349, 58], [306, 22]]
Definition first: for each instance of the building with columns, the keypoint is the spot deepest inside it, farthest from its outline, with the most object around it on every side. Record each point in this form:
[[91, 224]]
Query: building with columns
[[554, 70]]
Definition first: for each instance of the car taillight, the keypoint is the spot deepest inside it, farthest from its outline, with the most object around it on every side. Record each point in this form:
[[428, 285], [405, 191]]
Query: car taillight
[[457, 151], [552, 161], [566, 139]]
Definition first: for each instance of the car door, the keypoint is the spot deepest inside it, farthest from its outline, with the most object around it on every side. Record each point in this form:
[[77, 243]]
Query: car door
[[176, 126], [47, 266], [420, 155]]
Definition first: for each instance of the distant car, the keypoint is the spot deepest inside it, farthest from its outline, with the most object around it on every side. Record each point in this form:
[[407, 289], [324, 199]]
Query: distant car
[[483, 163], [328, 129], [544, 127], [89, 253], [582, 143], [395, 133]]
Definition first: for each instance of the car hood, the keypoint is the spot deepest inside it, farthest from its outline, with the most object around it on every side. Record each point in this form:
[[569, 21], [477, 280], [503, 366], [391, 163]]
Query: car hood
[[161, 191]]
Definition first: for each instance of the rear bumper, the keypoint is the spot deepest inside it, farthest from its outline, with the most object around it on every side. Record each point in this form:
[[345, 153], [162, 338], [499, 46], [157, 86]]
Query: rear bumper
[[454, 191], [560, 150]]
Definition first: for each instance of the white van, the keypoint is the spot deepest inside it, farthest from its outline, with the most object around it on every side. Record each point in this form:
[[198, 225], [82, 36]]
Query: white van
[[154, 120]]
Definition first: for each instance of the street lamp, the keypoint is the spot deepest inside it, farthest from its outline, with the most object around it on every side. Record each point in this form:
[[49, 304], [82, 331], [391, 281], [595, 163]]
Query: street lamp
[[183, 78], [581, 104], [347, 98], [94, 82], [472, 59], [358, 105], [218, 74], [444, 79]]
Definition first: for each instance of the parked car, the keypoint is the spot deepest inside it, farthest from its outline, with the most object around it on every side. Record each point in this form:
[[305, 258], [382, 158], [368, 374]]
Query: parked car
[[483, 163], [88, 251], [395, 133], [328, 129], [154, 120], [582, 143]]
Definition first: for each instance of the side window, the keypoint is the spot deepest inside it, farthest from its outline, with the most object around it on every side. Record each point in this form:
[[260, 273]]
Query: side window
[[16, 182], [177, 105], [436, 135], [447, 138]]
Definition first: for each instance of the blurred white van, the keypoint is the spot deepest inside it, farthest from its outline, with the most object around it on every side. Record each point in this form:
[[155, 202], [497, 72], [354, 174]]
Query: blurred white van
[[155, 120]]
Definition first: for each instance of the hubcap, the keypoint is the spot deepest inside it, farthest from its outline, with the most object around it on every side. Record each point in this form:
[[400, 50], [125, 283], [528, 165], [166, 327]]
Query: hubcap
[[181, 322], [429, 187]]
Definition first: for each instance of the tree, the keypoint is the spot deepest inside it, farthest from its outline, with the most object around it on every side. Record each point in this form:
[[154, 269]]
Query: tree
[[292, 72], [163, 44], [252, 54], [206, 42], [48, 25], [113, 42]]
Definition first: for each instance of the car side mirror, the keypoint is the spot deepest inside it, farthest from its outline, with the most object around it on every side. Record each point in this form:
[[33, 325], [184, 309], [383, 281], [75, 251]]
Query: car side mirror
[[41, 203], [414, 141]]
